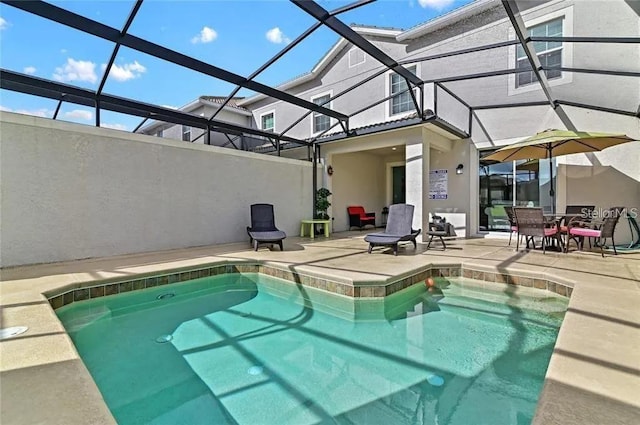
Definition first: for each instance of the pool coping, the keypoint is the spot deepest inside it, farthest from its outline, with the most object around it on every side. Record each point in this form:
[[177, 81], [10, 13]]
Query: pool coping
[[612, 316], [81, 291]]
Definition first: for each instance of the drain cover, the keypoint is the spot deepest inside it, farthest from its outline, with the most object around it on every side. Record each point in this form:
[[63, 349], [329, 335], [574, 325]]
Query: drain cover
[[13, 331], [165, 296]]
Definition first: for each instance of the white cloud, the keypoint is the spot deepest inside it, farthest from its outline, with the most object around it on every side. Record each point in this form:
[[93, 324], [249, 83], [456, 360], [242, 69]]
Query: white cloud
[[41, 112], [115, 126], [30, 70], [207, 35], [63, 51], [275, 35], [75, 70], [80, 114], [435, 4], [3, 23], [128, 71]]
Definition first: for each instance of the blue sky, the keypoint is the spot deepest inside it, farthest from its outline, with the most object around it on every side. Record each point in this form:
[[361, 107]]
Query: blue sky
[[235, 35]]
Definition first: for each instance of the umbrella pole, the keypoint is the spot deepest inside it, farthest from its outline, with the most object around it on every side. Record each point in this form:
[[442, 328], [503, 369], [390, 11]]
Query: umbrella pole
[[552, 192]]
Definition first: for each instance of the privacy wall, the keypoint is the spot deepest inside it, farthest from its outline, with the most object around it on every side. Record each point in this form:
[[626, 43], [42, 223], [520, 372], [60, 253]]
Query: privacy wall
[[70, 191]]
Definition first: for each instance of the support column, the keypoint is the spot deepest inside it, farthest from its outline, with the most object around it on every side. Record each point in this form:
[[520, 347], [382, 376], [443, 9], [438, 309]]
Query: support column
[[417, 181]]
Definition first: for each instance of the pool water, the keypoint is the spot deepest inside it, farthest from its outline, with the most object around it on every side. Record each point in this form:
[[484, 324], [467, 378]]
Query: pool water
[[253, 349]]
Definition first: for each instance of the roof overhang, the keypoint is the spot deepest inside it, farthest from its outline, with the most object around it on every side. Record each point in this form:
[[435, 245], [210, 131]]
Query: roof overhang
[[450, 18], [436, 124]]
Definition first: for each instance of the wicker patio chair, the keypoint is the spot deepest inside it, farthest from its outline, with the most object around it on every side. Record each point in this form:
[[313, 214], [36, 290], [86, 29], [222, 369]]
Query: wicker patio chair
[[512, 223], [577, 230], [531, 224]]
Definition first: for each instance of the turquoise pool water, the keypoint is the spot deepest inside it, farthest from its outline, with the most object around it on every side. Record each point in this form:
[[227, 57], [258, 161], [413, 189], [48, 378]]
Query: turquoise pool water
[[251, 349]]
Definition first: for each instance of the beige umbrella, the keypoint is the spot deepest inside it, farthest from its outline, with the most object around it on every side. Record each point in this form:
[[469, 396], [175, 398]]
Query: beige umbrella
[[531, 165], [550, 143]]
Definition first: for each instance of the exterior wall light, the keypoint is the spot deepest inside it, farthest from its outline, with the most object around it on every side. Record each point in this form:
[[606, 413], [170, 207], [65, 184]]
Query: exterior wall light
[[459, 169], [330, 170]]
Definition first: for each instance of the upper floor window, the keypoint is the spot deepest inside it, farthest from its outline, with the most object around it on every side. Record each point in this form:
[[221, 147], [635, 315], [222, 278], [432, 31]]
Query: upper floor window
[[321, 122], [186, 133], [549, 52], [268, 122], [401, 102]]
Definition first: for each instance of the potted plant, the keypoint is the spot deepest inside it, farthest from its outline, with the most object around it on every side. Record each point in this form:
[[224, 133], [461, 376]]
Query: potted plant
[[322, 205]]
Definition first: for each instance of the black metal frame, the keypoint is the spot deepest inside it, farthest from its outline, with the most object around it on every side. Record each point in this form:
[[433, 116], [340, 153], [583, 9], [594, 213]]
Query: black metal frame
[[66, 93]]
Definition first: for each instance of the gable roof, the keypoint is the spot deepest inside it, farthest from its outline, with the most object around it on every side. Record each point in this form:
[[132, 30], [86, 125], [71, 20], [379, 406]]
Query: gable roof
[[214, 101], [321, 65]]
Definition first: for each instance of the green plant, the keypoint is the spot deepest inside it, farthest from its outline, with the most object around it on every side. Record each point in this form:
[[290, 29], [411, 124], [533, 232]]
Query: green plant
[[322, 203]]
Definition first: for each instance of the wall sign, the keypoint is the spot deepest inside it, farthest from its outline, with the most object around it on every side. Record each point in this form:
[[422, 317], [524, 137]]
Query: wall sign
[[438, 182]]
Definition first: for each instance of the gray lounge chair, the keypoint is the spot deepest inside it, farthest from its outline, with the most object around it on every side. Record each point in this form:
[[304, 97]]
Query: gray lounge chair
[[398, 229], [263, 228]]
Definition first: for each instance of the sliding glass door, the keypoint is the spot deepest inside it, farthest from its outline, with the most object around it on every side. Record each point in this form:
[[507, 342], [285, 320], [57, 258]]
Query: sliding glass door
[[512, 183]]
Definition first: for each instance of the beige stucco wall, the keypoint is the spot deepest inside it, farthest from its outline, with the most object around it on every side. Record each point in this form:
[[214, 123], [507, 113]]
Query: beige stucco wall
[[70, 191], [358, 179]]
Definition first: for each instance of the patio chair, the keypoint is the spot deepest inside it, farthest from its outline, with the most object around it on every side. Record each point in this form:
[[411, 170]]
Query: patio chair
[[438, 227], [398, 229], [513, 225], [576, 214], [263, 228], [359, 218], [531, 224], [578, 230]]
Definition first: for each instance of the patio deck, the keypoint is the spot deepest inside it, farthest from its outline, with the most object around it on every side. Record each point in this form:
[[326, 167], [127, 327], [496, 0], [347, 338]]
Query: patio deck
[[593, 377]]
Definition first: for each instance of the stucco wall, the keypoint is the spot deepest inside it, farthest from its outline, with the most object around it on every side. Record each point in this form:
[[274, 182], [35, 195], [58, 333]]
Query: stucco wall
[[70, 191], [358, 179]]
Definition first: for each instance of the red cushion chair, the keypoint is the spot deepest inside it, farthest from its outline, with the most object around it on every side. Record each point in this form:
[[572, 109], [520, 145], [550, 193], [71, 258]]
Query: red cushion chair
[[359, 218]]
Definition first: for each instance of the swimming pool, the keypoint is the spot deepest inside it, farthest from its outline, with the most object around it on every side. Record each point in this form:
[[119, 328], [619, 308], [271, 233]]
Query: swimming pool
[[254, 349]]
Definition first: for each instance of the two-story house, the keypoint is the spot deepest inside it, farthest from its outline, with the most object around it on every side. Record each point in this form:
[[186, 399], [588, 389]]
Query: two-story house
[[480, 92]]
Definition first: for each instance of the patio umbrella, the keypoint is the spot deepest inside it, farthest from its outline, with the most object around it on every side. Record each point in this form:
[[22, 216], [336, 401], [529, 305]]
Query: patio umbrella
[[531, 165], [551, 143]]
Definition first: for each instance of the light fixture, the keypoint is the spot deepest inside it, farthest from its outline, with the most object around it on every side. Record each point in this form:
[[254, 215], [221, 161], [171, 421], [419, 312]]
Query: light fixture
[[330, 170], [459, 169], [393, 148]]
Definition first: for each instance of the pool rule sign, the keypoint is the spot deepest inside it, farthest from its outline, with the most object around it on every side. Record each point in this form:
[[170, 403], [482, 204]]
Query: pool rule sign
[[438, 180]]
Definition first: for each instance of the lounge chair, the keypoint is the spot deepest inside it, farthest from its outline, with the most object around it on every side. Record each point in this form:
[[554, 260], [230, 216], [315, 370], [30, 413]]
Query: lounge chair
[[531, 224], [263, 228], [607, 229], [359, 218], [398, 229]]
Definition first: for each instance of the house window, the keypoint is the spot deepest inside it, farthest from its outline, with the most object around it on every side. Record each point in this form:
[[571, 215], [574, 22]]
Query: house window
[[549, 53], [401, 102], [321, 122], [186, 133], [268, 122]]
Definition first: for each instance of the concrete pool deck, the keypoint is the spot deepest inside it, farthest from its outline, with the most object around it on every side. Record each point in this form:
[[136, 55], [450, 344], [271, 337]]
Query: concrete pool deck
[[593, 376]]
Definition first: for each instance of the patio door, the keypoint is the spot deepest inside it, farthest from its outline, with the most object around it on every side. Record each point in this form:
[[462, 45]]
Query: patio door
[[512, 183], [398, 185]]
